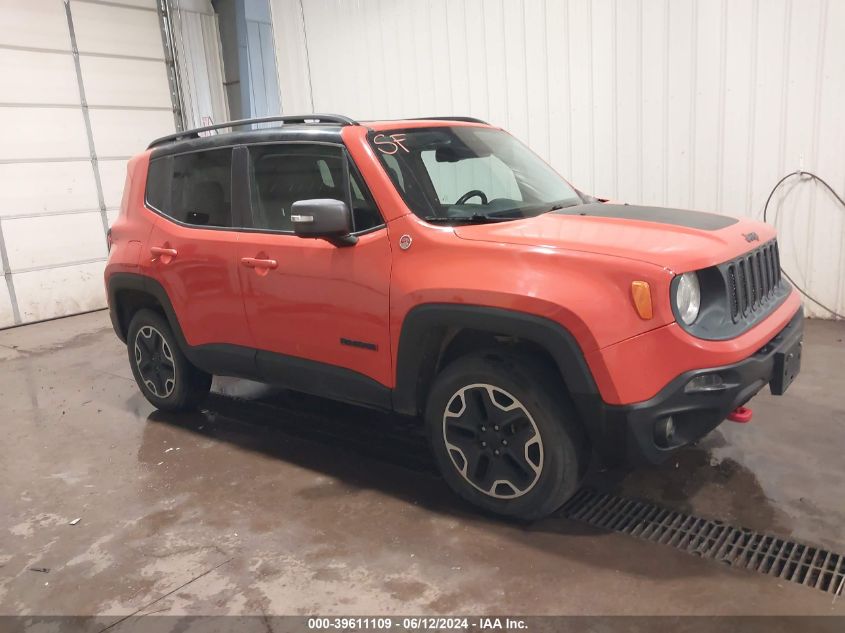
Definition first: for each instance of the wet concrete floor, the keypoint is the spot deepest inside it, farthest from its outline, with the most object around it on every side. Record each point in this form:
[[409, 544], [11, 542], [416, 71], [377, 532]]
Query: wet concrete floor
[[268, 502]]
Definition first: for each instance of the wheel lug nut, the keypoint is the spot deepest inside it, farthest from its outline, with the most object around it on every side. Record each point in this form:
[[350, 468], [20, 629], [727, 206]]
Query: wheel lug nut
[[483, 443], [496, 452], [504, 442], [496, 428], [483, 428]]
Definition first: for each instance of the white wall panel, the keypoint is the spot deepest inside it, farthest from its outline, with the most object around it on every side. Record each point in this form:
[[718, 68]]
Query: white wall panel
[[37, 77], [116, 30], [52, 292], [701, 104], [37, 133], [125, 82], [52, 211], [146, 4], [830, 125], [604, 101], [113, 177], [32, 188], [53, 240], [34, 23], [200, 63], [7, 315], [292, 56], [127, 132]]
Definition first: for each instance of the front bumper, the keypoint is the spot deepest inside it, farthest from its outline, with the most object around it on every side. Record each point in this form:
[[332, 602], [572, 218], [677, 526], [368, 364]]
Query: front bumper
[[696, 414]]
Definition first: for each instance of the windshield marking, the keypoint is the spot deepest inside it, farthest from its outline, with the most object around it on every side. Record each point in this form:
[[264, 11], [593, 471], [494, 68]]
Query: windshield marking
[[396, 141]]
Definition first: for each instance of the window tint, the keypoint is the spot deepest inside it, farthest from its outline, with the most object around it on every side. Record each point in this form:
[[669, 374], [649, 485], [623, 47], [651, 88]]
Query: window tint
[[158, 183], [193, 188], [283, 174], [395, 169]]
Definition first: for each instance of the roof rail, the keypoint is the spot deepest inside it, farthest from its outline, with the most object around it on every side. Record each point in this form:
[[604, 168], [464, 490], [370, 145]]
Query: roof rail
[[299, 118], [468, 119]]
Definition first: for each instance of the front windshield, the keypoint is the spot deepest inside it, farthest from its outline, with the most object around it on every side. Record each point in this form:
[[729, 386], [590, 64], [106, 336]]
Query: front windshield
[[469, 174]]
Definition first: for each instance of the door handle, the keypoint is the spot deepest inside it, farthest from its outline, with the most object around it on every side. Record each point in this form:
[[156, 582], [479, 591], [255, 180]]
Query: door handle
[[253, 262], [165, 255]]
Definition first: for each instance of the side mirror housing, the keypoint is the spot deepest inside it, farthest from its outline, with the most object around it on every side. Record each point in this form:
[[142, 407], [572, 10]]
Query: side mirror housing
[[323, 218]]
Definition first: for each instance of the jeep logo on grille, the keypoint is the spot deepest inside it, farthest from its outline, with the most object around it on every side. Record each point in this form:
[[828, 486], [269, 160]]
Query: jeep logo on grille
[[751, 237]]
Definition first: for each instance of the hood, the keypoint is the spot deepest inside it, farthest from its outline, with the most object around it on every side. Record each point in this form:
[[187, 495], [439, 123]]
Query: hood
[[676, 239]]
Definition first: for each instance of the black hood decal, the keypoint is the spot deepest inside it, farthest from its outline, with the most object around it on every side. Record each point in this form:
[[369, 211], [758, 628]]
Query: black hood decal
[[678, 217]]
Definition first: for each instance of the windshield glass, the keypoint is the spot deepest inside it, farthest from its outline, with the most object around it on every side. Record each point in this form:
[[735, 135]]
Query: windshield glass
[[470, 174]]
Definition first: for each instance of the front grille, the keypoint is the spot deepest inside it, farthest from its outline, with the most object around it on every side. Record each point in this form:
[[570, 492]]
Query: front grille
[[753, 280]]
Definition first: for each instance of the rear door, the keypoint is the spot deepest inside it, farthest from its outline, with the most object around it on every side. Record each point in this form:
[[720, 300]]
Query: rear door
[[318, 313], [193, 250]]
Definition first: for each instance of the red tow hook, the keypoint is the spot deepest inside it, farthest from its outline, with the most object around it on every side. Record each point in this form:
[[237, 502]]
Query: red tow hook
[[741, 415]]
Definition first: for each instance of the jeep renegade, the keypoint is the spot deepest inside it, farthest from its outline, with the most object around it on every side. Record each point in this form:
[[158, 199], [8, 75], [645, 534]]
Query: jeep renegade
[[438, 268]]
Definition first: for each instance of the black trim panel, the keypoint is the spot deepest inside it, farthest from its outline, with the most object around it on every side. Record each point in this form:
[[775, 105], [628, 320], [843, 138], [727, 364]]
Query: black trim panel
[[320, 379], [222, 359], [360, 344], [628, 430], [677, 217], [424, 331]]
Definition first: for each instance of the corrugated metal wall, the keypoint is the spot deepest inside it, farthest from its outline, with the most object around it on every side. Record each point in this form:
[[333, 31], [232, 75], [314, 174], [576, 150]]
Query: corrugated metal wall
[[196, 39], [700, 104], [83, 86]]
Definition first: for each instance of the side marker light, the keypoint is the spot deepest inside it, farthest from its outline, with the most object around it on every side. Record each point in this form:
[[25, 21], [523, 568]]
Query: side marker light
[[641, 293]]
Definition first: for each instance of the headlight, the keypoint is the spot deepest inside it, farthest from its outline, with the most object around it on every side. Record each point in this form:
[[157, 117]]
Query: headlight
[[688, 297]]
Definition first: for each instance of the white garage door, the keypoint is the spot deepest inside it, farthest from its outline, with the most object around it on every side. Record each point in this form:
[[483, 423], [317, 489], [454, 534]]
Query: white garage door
[[83, 86]]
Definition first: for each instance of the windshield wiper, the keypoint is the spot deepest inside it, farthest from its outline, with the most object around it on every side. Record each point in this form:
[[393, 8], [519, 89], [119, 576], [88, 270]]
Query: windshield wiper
[[476, 218], [562, 205]]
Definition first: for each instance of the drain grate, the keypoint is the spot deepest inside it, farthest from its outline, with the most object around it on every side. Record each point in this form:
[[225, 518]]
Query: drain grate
[[739, 547]]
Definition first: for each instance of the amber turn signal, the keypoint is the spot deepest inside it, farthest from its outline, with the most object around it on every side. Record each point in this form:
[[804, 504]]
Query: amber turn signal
[[641, 292]]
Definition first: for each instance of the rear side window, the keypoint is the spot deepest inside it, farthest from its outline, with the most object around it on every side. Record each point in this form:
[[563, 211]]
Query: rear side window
[[283, 174], [193, 188], [158, 183]]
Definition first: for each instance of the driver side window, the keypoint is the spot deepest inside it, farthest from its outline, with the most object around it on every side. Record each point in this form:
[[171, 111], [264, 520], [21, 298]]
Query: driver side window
[[281, 175], [489, 174]]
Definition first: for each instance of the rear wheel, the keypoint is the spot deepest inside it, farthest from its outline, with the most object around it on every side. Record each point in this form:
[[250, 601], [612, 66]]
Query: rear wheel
[[166, 378], [504, 434]]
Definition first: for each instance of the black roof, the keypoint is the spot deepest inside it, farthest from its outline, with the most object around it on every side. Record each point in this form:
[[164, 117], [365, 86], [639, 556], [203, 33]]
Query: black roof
[[318, 128]]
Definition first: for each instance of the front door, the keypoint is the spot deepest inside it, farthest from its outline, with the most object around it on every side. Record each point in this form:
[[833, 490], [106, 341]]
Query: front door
[[318, 313]]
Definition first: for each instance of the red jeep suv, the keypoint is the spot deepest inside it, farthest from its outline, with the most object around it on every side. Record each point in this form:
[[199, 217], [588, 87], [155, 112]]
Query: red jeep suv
[[438, 268]]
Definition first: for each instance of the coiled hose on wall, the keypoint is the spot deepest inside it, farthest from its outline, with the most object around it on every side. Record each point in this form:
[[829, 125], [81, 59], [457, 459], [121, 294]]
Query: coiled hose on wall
[[765, 213]]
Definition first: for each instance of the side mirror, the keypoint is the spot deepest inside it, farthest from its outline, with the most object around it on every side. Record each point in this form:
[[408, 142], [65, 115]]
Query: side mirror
[[324, 219]]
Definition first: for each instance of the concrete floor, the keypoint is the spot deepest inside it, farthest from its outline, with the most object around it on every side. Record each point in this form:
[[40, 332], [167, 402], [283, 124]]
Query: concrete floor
[[284, 504]]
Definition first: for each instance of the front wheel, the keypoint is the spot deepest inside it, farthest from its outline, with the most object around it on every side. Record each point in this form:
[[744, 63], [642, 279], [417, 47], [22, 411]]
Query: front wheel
[[504, 434], [166, 378]]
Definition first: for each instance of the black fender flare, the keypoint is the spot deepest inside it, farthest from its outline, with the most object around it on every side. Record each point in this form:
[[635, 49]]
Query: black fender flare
[[140, 283], [245, 362], [212, 358], [425, 326]]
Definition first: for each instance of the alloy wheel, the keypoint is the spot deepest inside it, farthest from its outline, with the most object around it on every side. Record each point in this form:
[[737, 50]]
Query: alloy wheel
[[154, 360], [493, 441]]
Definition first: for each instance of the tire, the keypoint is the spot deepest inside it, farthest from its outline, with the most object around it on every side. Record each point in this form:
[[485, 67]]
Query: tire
[[165, 377], [533, 444]]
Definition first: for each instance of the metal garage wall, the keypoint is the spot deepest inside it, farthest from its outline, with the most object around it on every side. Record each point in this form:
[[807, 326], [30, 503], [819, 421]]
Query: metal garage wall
[[692, 103], [83, 86], [263, 75], [196, 38]]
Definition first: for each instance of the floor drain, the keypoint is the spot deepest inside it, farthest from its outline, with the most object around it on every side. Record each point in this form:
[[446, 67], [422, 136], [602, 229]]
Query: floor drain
[[738, 547]]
